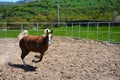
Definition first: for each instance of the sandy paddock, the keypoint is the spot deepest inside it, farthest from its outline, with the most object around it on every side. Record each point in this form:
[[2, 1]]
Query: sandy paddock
[[66, 59]]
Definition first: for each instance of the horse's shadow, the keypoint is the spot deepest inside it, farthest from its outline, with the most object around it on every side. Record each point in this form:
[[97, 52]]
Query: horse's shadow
[[25, 68]]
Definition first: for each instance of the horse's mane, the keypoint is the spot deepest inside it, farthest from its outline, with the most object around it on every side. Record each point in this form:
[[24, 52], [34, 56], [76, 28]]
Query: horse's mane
[[45, 32]]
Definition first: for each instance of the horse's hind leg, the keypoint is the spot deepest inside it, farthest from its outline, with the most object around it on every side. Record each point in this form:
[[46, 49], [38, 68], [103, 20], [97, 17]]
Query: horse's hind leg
[[40, 58], [24, 53]]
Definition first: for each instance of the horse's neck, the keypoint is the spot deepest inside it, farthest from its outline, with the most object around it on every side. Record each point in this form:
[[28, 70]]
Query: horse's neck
[[46, 39]]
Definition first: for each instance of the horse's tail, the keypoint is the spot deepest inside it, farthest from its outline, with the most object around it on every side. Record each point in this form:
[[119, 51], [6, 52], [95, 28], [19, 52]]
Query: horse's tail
[[22, 34]]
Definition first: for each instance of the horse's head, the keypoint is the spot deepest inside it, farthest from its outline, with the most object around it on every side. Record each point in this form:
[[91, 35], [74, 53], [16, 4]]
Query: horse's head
[[49, 34]]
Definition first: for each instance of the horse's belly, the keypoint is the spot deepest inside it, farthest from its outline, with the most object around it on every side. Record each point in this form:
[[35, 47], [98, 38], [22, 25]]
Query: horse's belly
[[37, 49], [34, 48]]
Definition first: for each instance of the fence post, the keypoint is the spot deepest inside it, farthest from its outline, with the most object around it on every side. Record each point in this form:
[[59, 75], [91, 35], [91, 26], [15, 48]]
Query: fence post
[[79, 30], [88, 31], [50, 24], [66, 31], [5, 30], [97, 30], [72, 30], [109, 32], [21, 26], [37, 29]]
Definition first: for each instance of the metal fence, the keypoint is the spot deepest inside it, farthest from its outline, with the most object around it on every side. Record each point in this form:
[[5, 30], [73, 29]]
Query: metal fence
[[102, 31]]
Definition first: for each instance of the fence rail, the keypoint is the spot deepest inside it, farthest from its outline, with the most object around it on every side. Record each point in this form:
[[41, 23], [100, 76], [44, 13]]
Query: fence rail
[[102, 31]]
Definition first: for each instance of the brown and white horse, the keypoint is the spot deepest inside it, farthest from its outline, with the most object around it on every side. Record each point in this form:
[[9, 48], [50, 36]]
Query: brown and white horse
[[35, 44]]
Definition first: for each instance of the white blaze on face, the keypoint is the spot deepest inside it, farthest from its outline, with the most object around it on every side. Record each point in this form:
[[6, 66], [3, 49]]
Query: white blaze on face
[[49, 39], [49, 35]]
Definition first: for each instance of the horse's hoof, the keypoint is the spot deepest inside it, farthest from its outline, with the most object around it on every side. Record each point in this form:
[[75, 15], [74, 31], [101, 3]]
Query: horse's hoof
[[25, 66]]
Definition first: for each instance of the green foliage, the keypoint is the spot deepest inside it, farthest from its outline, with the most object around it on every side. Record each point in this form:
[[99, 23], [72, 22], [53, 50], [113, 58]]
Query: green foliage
[[16, 19], [46, 10], [39, 18], [52, 16]]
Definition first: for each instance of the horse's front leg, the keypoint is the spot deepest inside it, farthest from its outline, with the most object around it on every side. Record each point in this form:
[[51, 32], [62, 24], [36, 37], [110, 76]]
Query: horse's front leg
[[40, 58], [24, 53]]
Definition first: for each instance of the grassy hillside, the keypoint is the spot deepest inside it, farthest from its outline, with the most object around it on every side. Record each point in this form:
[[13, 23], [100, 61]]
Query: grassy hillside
[[46, 10]]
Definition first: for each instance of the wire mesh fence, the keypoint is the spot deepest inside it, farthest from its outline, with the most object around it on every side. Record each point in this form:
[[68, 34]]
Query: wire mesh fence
[[102, 31]]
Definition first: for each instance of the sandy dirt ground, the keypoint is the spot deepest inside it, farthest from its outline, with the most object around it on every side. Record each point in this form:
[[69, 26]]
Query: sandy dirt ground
[[66, 59]]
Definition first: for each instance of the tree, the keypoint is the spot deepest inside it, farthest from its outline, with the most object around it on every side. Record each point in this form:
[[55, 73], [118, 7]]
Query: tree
[[39, 18], [16, 19], [52, 16], [106, 16]]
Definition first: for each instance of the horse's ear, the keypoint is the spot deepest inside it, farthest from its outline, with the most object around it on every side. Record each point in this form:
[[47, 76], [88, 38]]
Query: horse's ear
[[52, 31]]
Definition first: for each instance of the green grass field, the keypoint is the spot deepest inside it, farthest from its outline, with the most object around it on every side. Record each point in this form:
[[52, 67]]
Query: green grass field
[[111, 34], [94, 33]]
